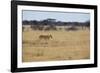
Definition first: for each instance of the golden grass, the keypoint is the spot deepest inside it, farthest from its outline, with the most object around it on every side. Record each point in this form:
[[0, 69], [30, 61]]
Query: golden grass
[[65, 45]]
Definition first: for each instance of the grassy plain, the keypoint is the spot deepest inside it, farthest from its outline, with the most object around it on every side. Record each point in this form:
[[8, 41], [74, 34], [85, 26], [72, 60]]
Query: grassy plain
[[65, 45]]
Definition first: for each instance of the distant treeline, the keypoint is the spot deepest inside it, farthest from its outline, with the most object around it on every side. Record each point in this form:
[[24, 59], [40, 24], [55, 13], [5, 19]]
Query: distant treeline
[[56, 23], [52, 23]]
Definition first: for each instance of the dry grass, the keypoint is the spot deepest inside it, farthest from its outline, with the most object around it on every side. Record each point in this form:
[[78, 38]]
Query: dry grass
[[65, 45]]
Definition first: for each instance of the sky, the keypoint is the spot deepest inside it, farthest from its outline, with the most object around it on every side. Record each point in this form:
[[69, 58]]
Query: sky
[[59, 16]]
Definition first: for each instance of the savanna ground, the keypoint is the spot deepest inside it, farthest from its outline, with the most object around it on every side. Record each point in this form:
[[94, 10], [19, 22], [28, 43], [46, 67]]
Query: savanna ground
[[65, 45]]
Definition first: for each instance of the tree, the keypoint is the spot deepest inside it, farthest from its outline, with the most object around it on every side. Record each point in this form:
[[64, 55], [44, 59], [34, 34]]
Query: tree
[[87, 23], [25, 22]]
